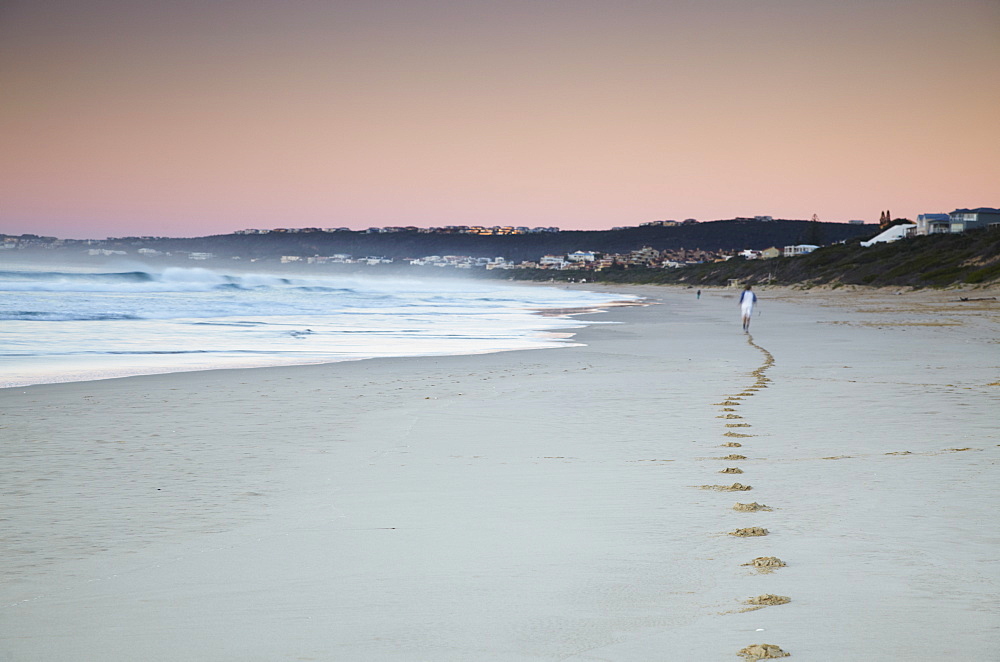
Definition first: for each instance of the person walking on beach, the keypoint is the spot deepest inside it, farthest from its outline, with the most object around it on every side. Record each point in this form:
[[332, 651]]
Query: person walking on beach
[[747, 300]]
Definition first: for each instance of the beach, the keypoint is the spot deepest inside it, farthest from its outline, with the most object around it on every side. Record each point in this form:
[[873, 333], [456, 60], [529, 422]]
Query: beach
[[535, 505]]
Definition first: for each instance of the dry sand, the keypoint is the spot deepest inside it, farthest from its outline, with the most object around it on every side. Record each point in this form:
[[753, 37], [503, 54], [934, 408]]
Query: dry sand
[[538, 505]]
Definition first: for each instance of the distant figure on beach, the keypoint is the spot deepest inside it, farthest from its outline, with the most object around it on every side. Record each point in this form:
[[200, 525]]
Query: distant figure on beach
[[699, 294], [747, 300]]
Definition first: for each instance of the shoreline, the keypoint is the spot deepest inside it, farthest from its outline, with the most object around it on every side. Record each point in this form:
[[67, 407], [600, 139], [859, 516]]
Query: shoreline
[[538, 335], [150, 341], [540, 504]]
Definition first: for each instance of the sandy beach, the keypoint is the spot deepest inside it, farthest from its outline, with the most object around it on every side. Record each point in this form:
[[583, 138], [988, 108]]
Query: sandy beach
[[541, 505]]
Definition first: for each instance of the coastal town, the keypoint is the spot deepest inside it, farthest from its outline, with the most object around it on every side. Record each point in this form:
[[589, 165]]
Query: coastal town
[[580, 260]]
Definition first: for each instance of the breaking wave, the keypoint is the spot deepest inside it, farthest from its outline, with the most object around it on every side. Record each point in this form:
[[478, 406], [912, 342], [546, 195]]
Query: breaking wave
[[172, 279]]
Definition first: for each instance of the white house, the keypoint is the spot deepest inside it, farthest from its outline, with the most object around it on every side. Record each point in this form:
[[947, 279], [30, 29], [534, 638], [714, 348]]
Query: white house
[[552, 262], [933, 224], [895, 233], [799, 249]]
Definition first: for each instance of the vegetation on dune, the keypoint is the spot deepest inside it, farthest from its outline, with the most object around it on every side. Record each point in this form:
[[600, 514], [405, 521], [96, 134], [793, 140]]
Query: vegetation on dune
[[931, 261]]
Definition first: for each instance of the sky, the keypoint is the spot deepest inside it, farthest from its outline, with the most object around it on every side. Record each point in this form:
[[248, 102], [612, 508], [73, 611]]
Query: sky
[[195, 117]]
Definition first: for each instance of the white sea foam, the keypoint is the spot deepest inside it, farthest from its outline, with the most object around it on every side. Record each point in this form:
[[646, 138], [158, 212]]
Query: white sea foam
[[69, 326]]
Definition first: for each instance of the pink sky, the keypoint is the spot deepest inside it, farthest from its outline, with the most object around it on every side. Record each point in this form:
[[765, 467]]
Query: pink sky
[[195, 117]]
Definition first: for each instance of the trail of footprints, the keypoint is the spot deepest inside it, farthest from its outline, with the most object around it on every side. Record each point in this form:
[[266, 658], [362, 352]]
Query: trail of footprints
[[762, 564]]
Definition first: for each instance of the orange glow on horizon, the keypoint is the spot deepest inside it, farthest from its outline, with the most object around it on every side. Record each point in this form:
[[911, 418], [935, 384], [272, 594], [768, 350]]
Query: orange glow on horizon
[[201, 118]]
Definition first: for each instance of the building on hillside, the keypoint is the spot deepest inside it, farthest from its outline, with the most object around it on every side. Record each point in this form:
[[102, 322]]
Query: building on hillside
[[605, 262], [497, 263], [644, 255], [893, 233], [337, 258], [552, 262], [798, 249], [971, 219], [933, 224], [770, 253], [581, 256]]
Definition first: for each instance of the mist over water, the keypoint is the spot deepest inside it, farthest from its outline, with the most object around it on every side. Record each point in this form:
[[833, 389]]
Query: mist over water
[[74, 325]]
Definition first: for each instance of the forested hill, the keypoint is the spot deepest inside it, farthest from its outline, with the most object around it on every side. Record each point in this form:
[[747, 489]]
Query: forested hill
[[714, 235]]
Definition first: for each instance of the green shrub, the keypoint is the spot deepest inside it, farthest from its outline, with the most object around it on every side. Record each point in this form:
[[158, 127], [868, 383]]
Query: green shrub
[[990, 272]]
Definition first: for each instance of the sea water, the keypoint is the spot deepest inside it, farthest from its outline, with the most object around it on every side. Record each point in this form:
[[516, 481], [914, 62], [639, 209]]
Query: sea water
[[75, 325]]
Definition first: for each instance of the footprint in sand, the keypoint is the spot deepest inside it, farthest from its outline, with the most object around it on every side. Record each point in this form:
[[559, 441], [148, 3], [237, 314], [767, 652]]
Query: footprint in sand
[[749, 532], [768, 600], [731, 470], [762, 652], [735, 487], [766, 564]]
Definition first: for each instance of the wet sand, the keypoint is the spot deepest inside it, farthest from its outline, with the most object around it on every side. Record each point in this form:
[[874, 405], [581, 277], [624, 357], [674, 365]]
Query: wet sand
[[533, 505]]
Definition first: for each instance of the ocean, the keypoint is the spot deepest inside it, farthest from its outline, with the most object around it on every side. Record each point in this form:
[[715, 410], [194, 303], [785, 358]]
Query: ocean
[[77, 325]]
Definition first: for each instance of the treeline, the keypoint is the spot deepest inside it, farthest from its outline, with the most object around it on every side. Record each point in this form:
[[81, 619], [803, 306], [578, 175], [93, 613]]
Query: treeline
[[932, 261], [709, 236]]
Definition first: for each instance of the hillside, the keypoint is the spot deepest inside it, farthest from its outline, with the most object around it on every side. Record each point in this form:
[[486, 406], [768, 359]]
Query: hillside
[[714, 235], [931, 261]]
